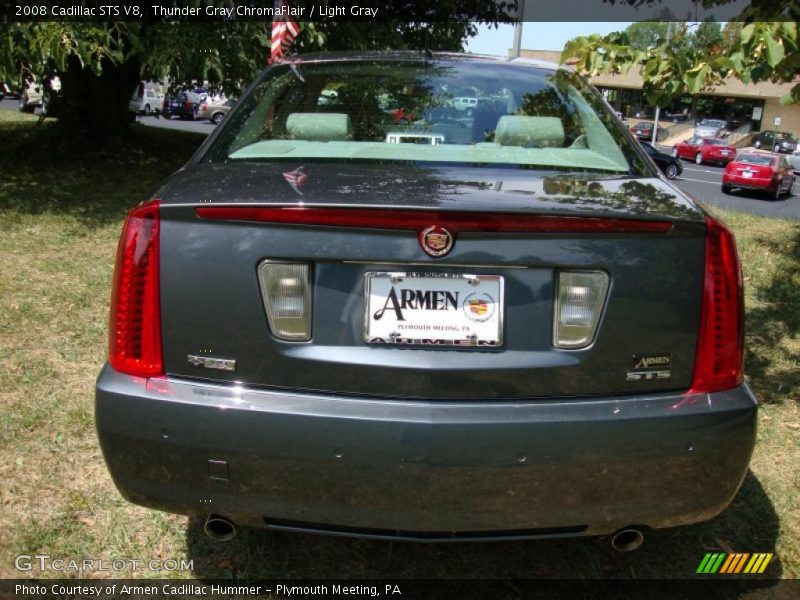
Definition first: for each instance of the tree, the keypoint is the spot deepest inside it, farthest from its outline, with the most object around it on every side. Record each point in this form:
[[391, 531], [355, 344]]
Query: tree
[[100, 63], [761, 50], [646, 34], [708, 36]]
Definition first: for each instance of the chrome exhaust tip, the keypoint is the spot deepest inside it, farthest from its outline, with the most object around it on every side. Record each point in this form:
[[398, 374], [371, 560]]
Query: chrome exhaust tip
[[219, 528], [627, 540]]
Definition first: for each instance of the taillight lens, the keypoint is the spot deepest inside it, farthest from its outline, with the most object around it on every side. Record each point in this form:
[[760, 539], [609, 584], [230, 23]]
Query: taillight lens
[[134, 338], [580, 298], [286, 289], [720, 346]]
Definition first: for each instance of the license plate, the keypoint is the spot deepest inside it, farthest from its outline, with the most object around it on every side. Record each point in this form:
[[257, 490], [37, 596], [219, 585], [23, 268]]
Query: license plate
[[747, 174], [433, 309]]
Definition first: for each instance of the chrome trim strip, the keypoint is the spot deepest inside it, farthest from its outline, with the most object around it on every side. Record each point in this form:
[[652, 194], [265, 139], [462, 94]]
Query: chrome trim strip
[[438, 265]]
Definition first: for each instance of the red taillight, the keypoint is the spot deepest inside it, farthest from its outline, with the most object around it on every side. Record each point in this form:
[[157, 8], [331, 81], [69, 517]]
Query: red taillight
[[134, 337], [720, 346], [417, 220]]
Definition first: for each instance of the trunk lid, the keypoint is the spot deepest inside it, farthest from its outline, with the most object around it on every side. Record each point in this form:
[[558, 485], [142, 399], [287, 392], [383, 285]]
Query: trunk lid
[[212, 303]]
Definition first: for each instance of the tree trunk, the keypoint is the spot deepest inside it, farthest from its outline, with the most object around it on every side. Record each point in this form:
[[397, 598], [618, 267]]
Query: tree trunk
[[97, 105]]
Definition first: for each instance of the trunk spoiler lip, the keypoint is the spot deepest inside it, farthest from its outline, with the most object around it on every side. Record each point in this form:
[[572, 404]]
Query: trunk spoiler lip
[[415, 219]]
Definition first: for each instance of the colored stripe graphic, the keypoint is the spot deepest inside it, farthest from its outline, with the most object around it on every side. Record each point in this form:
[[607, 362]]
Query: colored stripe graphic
[[758, 563], [734, 563], [711, 562]]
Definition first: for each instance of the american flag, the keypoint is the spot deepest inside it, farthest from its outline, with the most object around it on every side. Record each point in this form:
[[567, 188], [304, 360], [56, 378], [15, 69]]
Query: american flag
[[296, 179], [284, 30]]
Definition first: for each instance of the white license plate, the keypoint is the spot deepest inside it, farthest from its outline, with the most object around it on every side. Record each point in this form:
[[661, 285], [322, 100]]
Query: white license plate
[[433, 309], [747, 174]]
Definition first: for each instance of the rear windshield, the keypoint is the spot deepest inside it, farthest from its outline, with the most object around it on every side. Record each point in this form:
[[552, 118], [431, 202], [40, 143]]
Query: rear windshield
[[711, 123], [756, 159], [475, 113], [714, 142]]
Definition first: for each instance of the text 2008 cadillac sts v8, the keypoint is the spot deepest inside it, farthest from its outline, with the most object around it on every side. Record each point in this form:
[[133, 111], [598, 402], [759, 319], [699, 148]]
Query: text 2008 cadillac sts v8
[[445, 326]]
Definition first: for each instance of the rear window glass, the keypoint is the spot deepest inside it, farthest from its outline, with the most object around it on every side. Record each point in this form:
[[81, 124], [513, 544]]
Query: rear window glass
[[756, 159], [436, 111], [714, 142]]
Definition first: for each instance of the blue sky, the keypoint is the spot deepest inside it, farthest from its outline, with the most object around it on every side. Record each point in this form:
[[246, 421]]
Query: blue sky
[[535, 36]]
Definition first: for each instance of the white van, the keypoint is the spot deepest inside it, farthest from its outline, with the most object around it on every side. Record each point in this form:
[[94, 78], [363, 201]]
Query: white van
[[145, 100], [465, 103]]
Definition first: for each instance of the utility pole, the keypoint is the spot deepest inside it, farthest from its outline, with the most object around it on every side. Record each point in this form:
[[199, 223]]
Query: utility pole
[[515, 50], [658, 108]]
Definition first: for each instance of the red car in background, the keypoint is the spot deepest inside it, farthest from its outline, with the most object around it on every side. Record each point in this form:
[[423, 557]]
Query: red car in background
[[702, 150], [759, 171]]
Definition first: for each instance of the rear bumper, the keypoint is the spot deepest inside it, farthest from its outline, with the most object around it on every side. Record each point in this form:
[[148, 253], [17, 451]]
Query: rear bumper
[[718, 158], [750, 183], [424, 470]]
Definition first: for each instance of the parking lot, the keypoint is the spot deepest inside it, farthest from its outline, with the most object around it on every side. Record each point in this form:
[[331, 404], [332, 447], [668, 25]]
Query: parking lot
[[701, 181], [704, 183]]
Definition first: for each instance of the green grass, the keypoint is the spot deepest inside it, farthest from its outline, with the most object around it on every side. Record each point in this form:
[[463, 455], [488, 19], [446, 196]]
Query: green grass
[[61, 209]]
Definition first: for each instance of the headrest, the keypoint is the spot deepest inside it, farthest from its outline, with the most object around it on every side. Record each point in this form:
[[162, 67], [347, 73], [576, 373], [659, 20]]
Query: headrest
[[529, 132], [319, 127]]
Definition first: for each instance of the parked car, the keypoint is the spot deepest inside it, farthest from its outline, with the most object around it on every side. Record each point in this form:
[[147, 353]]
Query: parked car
[[794, 159], [185, 105], [764, 172], [777, 141], [316, 328], [669, 165], [644, 131], [711, 128], [642, 112], [704, 150], [465, 103], [219, 114], [145, 100], [678, 117], [34, 95], [215, 111]]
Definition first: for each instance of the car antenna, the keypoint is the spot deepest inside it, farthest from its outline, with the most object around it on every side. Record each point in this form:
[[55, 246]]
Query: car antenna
[[296, 71]]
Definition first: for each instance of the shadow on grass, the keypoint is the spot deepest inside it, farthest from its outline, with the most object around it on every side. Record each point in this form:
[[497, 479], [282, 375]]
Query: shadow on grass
[[47, 172], [773, 328], [750, 524]]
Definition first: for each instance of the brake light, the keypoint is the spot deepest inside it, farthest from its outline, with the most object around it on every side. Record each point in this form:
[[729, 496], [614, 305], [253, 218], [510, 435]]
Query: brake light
[[720, 345], [417, 220], [134, 337]]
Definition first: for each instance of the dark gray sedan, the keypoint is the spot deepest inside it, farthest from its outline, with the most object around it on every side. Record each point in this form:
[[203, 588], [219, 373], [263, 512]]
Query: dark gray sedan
[[368, 313]]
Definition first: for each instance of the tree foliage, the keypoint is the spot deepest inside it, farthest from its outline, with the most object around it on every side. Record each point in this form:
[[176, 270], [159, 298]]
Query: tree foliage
[[693, 61], [101, 62]]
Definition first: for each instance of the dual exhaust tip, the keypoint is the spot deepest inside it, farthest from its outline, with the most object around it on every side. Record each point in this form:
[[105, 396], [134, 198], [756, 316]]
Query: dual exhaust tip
[[627, 540], [220, 529]]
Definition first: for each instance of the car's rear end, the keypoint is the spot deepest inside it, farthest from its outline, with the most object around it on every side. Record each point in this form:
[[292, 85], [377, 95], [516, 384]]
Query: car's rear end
[[752, 171], [716, 150], [316, 328]]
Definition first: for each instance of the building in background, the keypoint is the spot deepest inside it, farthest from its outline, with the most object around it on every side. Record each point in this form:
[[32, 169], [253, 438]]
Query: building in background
[[756, 106]]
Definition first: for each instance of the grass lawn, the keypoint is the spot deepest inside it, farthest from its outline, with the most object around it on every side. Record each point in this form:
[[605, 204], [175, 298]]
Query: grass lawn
[[61, 210]]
